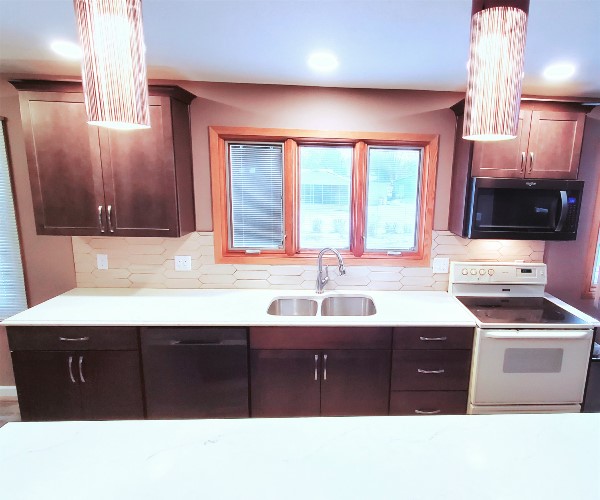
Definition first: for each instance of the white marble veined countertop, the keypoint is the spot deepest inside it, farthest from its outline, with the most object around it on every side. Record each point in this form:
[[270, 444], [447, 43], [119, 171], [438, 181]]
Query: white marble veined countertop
[[229, 307], [479, 457]]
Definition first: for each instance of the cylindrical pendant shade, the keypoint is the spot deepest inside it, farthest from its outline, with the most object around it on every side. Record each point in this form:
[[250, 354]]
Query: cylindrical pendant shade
[[113, 67], [496, 63]]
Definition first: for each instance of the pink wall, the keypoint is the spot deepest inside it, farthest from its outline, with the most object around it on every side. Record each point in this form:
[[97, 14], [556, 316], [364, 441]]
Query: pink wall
[[566, 259], [48, 260]]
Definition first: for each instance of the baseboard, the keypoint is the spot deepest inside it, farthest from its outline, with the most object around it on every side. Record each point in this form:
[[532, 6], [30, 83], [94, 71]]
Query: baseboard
[[8, 392]]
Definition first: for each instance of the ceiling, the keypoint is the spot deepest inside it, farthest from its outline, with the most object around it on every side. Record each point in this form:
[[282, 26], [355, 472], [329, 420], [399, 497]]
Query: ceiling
[[398, 44]]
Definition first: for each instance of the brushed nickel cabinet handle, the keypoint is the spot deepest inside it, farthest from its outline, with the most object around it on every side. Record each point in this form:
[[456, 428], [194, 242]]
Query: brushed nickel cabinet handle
[[433, 339], [78, 339], [324, 366], [81, 377], [100, 221], [109, 217], [523, 160], [71, 369], [316, 367], [423, 412], [531, 158], [419, 370]]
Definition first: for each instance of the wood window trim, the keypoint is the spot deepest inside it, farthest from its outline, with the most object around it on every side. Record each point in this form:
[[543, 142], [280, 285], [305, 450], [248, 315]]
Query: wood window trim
[[589, 289], [291, 138]]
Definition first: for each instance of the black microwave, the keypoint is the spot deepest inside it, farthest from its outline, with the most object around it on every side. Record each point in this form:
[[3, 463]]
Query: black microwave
[[523, 209]]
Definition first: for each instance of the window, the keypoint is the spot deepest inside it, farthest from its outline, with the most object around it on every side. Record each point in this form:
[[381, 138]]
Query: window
[[12, 286], [592, 267], [280, 196]]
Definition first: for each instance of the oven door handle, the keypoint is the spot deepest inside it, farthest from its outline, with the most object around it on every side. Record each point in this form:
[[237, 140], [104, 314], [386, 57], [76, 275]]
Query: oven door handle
[[564, 208], [545, 334]]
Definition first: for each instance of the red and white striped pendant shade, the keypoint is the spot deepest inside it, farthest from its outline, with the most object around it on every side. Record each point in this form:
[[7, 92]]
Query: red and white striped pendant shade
[[114, 66], [496, 61]]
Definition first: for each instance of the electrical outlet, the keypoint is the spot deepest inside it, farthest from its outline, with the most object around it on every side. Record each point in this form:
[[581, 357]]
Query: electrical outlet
[[441, 265], [101, 261], [183, 263]]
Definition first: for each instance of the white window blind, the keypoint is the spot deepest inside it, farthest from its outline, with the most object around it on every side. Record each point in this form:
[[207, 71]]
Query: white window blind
[[392, 198], [256, 196], [12, 285]]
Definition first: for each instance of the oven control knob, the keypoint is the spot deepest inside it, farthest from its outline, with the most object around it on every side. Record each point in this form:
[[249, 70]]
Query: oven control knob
[[482, 271], [465, 271], [490, 272], [473, 271]]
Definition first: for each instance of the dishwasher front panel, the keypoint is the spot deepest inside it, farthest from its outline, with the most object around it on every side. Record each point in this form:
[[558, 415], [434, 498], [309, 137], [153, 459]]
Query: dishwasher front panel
[[195, 372]]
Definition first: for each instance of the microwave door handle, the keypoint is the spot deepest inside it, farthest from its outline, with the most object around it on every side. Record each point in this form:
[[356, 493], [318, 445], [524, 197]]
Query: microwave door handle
[[563, 211]]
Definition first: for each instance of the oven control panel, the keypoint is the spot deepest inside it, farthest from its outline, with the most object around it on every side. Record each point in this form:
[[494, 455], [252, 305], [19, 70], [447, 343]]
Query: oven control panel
[[498, 272]]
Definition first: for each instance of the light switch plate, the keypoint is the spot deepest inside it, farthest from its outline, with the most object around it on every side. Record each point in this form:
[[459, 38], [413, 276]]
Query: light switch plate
[[441, 265], [183, 263], [102, 261]]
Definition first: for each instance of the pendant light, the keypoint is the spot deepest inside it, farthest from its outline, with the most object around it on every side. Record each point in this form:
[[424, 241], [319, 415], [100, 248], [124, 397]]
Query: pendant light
[[496, 60], [113, 67]]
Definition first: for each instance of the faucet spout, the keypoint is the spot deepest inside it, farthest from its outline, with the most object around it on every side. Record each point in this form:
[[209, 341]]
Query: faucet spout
[[323, 279]]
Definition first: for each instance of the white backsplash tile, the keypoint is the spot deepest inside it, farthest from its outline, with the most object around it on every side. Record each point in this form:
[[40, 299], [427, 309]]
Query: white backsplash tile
[[149, 263]]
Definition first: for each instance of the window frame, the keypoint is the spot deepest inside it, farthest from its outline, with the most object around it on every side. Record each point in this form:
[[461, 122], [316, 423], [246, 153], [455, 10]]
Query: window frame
[[589, 289], [219, 137]]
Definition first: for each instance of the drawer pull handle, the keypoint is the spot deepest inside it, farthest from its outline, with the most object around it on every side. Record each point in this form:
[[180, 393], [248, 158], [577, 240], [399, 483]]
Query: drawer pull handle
[[71, 369], [78, 339], [433, 339], [81, 377], [420, 370], [316, 367], [423, 412]]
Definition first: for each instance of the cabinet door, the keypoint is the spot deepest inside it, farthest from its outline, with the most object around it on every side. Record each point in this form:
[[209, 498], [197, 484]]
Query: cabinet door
[[139, 176], [111, 385], [63, 154], [503, 158], [355, 382], [284, 383], [555, 145], [47, 385]]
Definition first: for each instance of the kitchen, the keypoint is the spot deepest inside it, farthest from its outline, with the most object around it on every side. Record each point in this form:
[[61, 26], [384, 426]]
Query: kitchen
[[322, 106]]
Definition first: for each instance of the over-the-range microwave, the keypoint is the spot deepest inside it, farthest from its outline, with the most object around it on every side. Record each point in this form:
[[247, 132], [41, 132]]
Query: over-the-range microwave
[[522, 209]]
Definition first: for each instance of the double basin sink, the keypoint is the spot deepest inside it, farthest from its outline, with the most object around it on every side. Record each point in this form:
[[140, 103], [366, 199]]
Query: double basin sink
[[338, 305]]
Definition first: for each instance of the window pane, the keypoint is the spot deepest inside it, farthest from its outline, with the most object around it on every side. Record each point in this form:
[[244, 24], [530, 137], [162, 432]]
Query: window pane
[[12, 286], [256, 196], [596, 269], [325, 181], [392, 199]]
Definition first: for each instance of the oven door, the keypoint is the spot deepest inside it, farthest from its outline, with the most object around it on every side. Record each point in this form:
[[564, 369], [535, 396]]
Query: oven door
[[529, 366]]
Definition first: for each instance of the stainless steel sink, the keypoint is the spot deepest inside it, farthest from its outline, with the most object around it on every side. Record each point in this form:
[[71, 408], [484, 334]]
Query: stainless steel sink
[[358, 305], [293, 306]]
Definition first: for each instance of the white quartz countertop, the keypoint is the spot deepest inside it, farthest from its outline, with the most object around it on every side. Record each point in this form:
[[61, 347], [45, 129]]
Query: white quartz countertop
[[482, 457], [227, 307]]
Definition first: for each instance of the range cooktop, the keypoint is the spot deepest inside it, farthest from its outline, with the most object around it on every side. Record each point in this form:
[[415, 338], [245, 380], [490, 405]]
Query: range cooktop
[[519, 310]]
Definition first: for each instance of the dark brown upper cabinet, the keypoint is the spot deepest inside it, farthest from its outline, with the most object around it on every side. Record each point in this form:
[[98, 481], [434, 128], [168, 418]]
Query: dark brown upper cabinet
[[93, 181], [548, 146]]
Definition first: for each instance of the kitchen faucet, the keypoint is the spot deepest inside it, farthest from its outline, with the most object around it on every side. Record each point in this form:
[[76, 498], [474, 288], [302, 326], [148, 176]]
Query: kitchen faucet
[[322, 280]]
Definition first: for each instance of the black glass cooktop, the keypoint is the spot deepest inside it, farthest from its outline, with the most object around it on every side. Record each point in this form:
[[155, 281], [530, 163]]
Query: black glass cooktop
[[519, 310]]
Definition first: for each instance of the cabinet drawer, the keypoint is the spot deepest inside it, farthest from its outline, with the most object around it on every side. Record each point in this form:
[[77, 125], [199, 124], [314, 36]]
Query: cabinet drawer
[[428, 403], [282, 337], [72, 338], [431, 370], [432, 337]]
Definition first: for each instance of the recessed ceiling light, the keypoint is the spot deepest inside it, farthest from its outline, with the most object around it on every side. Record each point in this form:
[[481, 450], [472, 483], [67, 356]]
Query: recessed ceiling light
[[323, 61], [68, 50], [559, 71]]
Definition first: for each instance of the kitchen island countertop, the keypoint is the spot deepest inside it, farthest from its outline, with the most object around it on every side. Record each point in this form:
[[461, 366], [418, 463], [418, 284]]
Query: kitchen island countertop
[[482, 457]]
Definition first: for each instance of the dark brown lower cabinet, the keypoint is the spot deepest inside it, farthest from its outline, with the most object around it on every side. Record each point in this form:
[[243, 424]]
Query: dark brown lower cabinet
[[77, 373], [78, 385], [319, 371], [428, 402]]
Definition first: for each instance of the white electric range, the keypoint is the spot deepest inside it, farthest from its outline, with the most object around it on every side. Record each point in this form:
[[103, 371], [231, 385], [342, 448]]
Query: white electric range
[[531, 351]]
